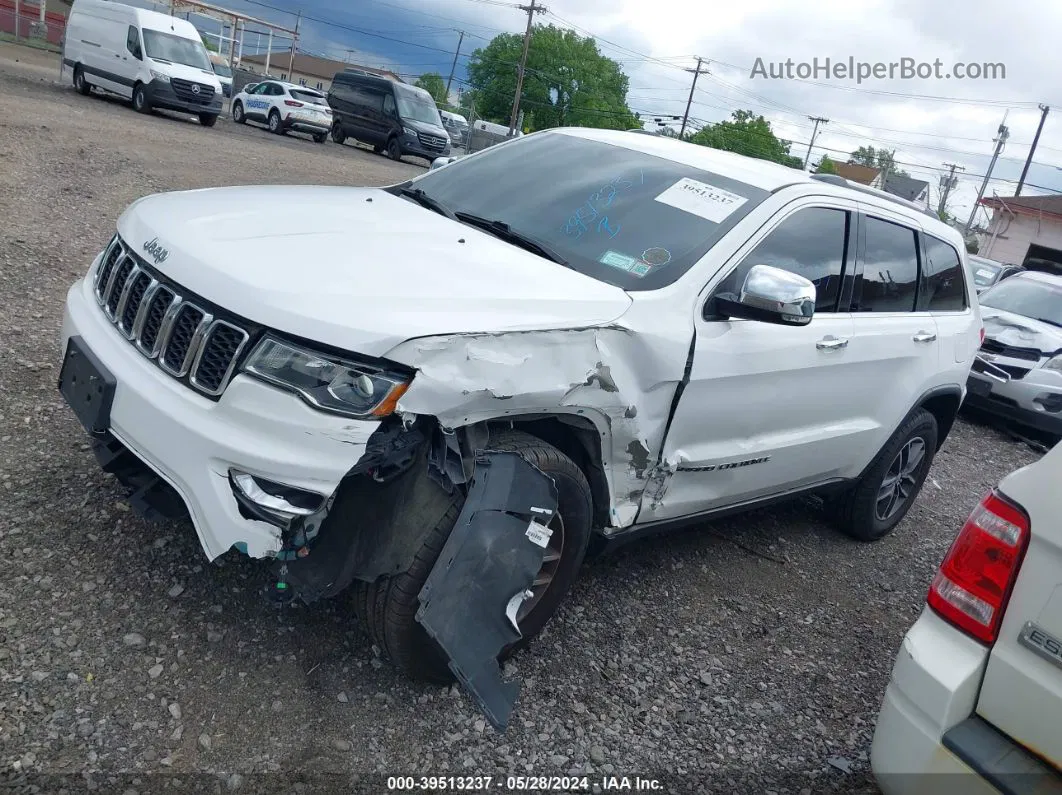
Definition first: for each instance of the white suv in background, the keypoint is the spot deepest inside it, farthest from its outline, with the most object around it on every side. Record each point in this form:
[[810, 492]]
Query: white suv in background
[[442, 391], [974, 704], [283, 107]]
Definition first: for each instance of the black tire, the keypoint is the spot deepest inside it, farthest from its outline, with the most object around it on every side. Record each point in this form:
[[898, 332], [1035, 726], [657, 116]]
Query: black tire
[[208, 119], [388, 606], [865, 511], [377, 150], [337, 134], [320, 138], [394, 149], [80, 83], [238, 114], [274, 122], [140, 100]]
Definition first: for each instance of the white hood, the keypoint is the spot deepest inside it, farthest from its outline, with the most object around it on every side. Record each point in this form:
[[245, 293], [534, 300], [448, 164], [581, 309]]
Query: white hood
[[1019, 331], [356, 268]]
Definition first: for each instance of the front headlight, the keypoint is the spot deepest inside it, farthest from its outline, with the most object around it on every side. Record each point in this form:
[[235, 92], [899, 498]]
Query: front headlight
[[410, 131], [1054, 363], [159, 76], [327, 382]]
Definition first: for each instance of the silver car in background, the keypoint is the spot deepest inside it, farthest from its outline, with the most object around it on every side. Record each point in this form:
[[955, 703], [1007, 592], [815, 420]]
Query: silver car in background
[[987, 272], [1017, 374]]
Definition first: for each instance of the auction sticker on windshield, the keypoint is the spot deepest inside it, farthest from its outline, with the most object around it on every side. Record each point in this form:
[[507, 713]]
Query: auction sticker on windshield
[[700, 198], [632, 265]]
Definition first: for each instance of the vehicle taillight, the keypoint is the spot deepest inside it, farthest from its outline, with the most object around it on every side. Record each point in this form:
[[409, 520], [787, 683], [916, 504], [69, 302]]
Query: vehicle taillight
[[982, 335], [974, 582], [292, 103]]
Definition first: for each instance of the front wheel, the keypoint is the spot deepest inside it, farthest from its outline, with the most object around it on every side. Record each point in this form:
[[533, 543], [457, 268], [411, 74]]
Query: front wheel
[[394, 149], [237, 113], [208, 119], [274, 123], [140, 100], [388, 606], [881, 499]]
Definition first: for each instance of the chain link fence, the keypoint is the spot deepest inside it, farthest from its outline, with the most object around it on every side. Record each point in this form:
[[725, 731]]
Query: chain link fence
[[28, 27]]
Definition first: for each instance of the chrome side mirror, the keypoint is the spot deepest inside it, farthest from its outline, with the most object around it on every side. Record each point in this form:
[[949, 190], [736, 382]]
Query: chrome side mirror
[[771, 295]]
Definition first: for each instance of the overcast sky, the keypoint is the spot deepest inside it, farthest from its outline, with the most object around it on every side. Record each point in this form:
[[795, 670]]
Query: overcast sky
[[655, 41]]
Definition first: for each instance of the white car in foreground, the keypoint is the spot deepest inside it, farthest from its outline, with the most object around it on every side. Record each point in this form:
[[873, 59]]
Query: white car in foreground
[[440, 392], [974, 704], [283, 107]]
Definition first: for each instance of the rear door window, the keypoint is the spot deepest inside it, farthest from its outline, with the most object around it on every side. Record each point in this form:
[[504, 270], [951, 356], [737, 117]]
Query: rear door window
[[888, 279]]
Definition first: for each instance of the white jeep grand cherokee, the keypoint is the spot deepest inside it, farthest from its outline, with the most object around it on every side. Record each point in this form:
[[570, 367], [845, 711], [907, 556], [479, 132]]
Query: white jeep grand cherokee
[[443, 391]]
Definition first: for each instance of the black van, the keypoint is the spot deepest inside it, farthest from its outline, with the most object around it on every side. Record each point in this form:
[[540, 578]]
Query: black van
[[392, 117]]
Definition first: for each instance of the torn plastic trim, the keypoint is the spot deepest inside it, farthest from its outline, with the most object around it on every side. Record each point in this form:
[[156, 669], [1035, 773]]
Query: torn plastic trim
[[484, 572]]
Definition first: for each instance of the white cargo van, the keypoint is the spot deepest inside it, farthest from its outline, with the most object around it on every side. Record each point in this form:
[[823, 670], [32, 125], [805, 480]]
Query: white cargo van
[[153, 59]]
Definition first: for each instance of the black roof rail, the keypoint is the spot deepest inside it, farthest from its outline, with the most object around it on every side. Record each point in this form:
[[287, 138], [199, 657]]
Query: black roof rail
[[835, 179]]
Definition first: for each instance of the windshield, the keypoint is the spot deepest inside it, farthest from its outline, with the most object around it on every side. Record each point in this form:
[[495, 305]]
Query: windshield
[[984, 271], [221, 70], [1029, 297], [176, 49], [415, 106], [307, 96], [618, 215]]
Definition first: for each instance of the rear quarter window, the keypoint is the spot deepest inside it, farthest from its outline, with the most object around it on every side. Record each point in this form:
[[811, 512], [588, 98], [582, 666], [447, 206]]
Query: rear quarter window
[[943, 286]]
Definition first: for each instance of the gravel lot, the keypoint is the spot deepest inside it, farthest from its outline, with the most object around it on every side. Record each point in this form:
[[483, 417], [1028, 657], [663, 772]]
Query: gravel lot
[[749, 655]]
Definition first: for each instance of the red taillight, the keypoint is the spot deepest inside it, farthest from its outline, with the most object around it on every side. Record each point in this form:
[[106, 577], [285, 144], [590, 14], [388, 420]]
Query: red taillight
[[974, 582], [292, 103], [982, 335]]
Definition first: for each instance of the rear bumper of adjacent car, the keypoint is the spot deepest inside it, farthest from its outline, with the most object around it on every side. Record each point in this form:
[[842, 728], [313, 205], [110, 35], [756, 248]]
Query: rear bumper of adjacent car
[[1035, 400], [307, 125], [193, 443], [934, 685], [160, 94], [928, 739]]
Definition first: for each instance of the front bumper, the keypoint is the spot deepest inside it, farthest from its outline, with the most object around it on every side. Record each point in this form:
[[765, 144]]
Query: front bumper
[[1034, 400], [192, 442], [160, 94], [934, 686]]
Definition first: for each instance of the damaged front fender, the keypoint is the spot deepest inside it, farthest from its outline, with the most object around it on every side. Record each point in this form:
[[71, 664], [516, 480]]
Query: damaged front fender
[[484, 572]]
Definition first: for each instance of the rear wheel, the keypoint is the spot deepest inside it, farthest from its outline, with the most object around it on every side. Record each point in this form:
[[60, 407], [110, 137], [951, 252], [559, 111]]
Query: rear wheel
[[320, 137], [394, 149], [140, 100], [337, 133], [388, 606], [274, 122], [80, 83], [885, 493]]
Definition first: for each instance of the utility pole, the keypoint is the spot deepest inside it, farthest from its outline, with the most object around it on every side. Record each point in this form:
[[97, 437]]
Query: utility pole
[[16, 21], [946, 185], [531, 11], [453, 68], [1036, 138], [696, 74], [1000, 141], [814, 132], [294, 40]]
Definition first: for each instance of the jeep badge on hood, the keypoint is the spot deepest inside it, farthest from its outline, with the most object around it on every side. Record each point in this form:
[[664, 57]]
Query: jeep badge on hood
[[156, 251]]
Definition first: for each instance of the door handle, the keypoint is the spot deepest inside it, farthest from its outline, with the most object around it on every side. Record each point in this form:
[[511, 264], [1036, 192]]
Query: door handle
[[831, 343], [924, 336]]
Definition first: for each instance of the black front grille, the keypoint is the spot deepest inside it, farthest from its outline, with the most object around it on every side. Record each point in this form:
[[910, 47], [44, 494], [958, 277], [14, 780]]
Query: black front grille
[[166, 324], [998, 348], [182, 332], [432, 141], [187, 91]]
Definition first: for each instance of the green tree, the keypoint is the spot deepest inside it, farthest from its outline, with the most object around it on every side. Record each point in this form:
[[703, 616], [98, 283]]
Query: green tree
[[881, 159], [826, 166], [208, 43], [567, 83], [433, 83], [747, 134]]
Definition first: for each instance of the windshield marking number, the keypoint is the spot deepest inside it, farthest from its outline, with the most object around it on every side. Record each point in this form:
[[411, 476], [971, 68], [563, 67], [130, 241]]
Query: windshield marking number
[[590, 212]]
